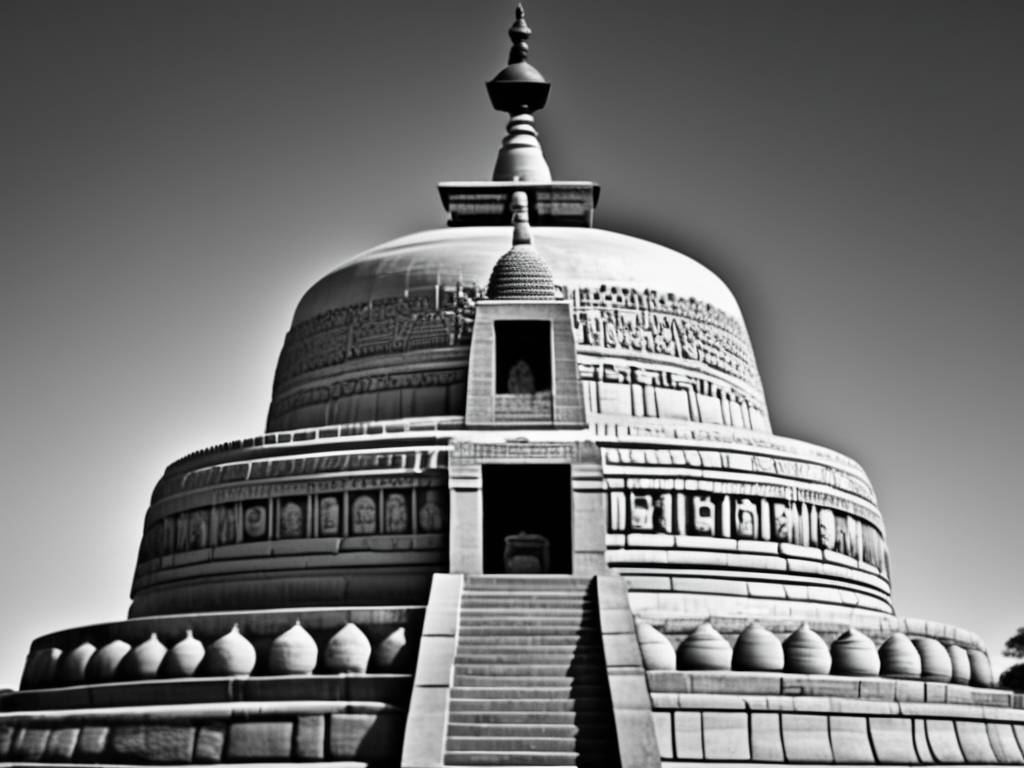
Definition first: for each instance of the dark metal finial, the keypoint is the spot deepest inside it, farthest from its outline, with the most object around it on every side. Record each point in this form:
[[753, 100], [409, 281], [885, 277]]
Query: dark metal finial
[[519, 33]]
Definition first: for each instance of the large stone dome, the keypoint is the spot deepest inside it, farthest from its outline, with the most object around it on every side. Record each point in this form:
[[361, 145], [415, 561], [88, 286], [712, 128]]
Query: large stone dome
[[347, 356]]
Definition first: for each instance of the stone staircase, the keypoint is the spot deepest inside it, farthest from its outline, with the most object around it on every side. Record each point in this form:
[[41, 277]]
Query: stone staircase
[[529, 684]]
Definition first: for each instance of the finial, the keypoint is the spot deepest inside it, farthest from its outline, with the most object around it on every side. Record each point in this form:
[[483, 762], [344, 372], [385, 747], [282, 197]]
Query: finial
[[519, 32], [521, 234], [520, 90]]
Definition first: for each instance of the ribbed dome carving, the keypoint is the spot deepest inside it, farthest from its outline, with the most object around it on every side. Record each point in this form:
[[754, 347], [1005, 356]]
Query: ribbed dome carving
[[521, 274]]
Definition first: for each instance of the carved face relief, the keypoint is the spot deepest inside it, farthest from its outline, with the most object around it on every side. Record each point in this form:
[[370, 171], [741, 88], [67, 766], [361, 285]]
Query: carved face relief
[[254, 522], [745, 519], [198, 529], [431, 516], [364, 515], [226, 525], [704, 516], [330, 516], [826, 529], [642, 516], [396, 513], [293, 520], [520, 379], [782, 522]]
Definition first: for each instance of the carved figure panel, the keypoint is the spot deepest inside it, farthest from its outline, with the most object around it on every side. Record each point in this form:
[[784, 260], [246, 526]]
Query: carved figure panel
[[364, 515], [254, 522], [292, 523], [641, 514], [396, 512], [704, 516], [330, 516], [745, 519], [226, 524], [199, 529], [430, 517]]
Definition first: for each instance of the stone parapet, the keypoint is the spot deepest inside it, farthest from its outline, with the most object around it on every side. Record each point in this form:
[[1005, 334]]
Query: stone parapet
[[240, 732]]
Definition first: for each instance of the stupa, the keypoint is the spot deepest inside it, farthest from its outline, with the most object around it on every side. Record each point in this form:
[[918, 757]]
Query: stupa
[[518, 502]]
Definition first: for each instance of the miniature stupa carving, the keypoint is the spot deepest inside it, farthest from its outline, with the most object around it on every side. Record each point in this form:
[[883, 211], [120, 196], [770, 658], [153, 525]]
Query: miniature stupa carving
[[519, 502]]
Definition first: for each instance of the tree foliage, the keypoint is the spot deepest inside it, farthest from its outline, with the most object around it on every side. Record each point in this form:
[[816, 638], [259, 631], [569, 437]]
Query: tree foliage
[[1015, 645], [1013, 678]]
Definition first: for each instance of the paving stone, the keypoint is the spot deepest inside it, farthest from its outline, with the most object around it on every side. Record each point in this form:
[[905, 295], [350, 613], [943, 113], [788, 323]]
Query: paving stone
[[92, 743], [61, 745], [766, 738], [686, 728], [257, 741], [210, 740], [974, 741], [663, 733], [153, 743], [29, 744], [850, 741], [805, 738], [1004, 745], [924, 752], [726, 736], [893, 740], [310, 736], [942, 741]]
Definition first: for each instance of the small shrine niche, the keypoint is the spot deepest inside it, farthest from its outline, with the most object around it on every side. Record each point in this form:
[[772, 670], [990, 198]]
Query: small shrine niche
[[522, 357]]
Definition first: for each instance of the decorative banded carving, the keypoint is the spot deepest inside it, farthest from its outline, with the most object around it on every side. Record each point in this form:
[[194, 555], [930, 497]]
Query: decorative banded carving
[[442, 318], [658, 508], [612, 317]]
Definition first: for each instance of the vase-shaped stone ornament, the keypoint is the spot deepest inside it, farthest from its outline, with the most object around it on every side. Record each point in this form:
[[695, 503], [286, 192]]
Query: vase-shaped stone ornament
[[104, 663], [72, 665], [184, 657], [961, 665], [853, 653], [293, 652], [230, 654], [145, 659], [656, 650], [936, 666], [981, 668], [41, 668], [389, 655], [806, 653], [899, 658], [758, 650], [704, 649], [348, 651]]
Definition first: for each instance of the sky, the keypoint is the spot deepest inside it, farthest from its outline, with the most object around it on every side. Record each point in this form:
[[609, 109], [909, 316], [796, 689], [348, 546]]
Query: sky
[[174, 175]]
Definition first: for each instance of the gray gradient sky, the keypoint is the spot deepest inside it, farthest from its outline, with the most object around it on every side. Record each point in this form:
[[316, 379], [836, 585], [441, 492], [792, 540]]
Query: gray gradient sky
[[175, 175]]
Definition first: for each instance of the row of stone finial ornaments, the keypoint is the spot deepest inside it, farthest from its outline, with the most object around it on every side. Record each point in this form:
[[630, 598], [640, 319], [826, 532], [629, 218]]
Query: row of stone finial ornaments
[[293, 652], [804, 651]]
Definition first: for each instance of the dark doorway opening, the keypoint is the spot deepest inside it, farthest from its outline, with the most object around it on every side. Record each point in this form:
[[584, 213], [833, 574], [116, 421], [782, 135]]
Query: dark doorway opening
[[524, 503], [523, 357]]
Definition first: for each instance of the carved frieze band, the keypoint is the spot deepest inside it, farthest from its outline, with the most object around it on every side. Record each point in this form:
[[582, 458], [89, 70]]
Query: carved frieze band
[[651, 322], [666, 505], [405, 506], [441, 318], [741, 461], [269, 469]]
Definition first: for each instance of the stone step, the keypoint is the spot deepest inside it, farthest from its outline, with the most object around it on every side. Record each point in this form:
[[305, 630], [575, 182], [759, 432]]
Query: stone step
[[537, 705], [511, 692], [530, 611], [588, 719], [564, 669], [513, 759], [518, 655], [526, 598], [492, 743], [522, 681], [560, 628], [530, 582], [518, 730]]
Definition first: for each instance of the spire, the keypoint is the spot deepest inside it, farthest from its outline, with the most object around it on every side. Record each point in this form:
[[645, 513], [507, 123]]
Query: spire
[[521, 274], [520, 90]]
